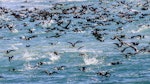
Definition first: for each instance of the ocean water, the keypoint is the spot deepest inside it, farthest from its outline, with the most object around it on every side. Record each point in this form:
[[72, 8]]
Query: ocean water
[[65, 50]]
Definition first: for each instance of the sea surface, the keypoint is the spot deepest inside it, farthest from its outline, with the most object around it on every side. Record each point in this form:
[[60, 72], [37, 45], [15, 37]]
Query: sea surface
[[74, 42]]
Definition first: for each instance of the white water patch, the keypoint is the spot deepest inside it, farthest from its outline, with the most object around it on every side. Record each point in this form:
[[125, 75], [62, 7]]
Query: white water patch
[[92, 59], [47, 24], [91, 50], [28, 56], [14, 46], [143, 28], [14, 30], [53, 57], [3, 18], [80, 50], [28, 66]]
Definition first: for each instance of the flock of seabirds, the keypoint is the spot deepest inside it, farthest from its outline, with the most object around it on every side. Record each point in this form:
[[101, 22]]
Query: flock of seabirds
[[62, 16]]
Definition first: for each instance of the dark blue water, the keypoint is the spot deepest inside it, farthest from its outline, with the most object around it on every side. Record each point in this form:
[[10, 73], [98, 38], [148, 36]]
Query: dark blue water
[[37, 50]]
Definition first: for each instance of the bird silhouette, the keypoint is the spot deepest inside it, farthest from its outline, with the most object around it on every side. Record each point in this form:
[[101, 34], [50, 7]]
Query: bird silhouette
[[129, 54], [10, 58], [66, 27], [116, 63], [80, 47], [38, 65], [56, 53], [83, 69], [60, 68], [8, 51], [133, 47], [74, 44], [106, 74], [30, 31], [12, 69], [49, 73], [137, 36], [118, 45], [135, 43], [1, 77]]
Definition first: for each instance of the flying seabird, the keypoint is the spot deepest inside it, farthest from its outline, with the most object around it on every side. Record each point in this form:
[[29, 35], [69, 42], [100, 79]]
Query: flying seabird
[[74, 44]]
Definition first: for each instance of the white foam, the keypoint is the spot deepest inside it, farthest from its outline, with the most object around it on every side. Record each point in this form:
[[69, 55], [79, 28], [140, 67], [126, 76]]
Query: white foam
[[27, 66], [47, 24], [14, 47], [141, 29], [53, 57], [90, 61], [27, 56], [14, 30]]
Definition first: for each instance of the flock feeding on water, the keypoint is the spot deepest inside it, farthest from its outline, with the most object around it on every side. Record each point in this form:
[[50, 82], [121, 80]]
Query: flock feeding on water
[[63, 18]]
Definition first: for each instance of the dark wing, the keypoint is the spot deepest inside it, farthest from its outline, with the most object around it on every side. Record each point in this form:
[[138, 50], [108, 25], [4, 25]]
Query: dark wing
[[72, 44]]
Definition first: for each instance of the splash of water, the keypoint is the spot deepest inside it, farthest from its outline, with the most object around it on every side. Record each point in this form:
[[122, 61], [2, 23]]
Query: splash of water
[[90, 61], [141, 29], [47, 24], [53, 57], [27, 56]]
